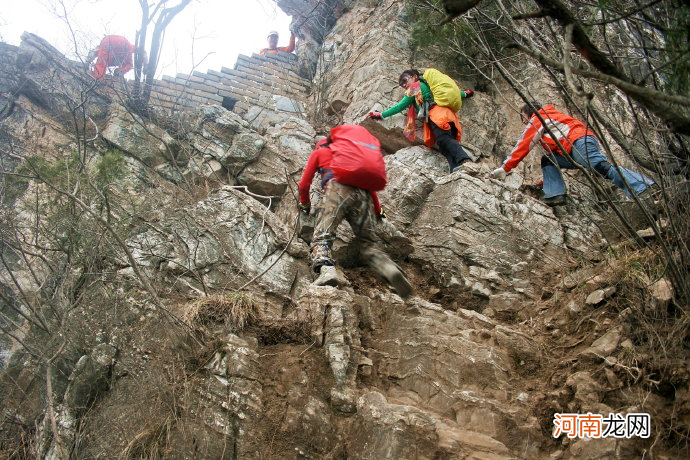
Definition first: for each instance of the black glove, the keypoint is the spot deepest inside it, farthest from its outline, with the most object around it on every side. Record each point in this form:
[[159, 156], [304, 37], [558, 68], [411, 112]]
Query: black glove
[[469, 93], [305, 208], [382, 214], [375, 115]]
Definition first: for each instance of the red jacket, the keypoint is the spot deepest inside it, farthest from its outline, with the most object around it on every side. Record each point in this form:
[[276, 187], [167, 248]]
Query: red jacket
[[566, 130], [114, 50], [320, 160]]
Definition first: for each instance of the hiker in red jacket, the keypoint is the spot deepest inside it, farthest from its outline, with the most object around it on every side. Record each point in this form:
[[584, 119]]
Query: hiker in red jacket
[[273, 44], [359, 206], [113, 51], [442, 125], [580, 144]]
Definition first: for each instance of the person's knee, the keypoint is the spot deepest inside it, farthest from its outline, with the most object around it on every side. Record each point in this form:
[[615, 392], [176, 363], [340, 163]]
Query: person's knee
[[603, 168]]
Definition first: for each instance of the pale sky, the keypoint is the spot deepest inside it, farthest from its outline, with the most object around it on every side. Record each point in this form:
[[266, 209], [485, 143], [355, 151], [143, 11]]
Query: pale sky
[[225, 28]]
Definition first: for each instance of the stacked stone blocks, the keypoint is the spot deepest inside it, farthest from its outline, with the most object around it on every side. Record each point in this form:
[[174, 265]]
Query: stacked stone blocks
[[255, 81]]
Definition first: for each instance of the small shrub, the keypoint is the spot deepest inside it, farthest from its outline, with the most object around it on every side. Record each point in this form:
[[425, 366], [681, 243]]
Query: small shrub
[[235, 309], [109, 168]]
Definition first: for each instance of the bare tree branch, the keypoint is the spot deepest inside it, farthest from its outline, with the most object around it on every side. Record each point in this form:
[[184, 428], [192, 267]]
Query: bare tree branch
[[648, 97], [645, 96]]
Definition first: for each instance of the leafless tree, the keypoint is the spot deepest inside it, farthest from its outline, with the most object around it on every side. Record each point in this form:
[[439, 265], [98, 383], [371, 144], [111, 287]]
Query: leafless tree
[[63, 220], [159, 14]]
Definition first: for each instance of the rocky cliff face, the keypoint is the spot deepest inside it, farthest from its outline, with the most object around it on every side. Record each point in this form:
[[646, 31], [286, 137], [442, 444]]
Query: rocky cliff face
[[194, 331]]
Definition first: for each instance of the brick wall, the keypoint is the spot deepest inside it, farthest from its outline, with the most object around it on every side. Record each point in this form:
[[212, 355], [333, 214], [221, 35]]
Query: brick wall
[[269, 82]]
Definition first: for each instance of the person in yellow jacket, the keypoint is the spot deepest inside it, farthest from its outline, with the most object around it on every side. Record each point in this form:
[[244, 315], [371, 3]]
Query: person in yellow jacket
[[442, 127]]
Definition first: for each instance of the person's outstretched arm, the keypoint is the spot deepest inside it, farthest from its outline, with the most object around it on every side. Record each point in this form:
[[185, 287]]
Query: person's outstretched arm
[[291, 47], [529, 138], [404, 103]]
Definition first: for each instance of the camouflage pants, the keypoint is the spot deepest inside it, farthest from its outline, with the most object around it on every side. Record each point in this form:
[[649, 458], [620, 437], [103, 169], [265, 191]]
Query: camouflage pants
[[344, 202]]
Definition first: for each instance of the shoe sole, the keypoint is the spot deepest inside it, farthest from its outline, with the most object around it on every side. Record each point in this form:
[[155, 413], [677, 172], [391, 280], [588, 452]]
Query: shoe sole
[[329, 282], [561, 202], [333, 283]]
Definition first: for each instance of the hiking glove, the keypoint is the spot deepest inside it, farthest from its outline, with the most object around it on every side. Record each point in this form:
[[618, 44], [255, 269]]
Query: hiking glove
[[469, 93], [375, 115], [382, 214], [498, 173], [305, 208]]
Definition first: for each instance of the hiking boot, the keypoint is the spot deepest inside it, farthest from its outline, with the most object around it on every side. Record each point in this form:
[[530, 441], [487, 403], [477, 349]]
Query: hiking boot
[[558, 200], [459, 167], [650, 199], [328, 276], [393, 275], [468, 167]]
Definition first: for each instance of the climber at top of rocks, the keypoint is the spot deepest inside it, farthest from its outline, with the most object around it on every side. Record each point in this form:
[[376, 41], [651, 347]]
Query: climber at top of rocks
[[439, 112], [352, 169], [273, 47], [113, 51], [557, 133]]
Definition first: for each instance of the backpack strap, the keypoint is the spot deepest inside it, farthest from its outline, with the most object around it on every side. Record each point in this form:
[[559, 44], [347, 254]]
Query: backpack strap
[[428, 103], [431, 101]]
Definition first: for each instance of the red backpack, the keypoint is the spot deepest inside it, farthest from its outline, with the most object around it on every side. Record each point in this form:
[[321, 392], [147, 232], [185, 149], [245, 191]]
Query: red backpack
[[357, 158]]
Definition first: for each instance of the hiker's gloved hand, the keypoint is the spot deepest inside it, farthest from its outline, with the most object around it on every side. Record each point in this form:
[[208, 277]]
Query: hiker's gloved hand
[[305, 208], [469, 92], [498, 173], [375, 115], [382, 214]]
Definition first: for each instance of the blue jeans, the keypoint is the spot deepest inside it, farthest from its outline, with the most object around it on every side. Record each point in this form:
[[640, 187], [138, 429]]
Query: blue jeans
[[586, 153]]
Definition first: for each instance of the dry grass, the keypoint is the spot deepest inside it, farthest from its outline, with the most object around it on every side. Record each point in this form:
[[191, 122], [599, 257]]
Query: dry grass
[[664, 330], [235, 310], [150, 442], [660, 337]]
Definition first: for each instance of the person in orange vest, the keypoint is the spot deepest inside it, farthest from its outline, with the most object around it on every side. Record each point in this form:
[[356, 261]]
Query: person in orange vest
[[578, 141], [360, 207], [273, 44], [442, 127], [113, 51]]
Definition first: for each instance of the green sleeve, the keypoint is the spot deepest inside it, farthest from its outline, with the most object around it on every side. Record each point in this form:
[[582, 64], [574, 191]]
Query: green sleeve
[[426, 91], [404, 103]]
